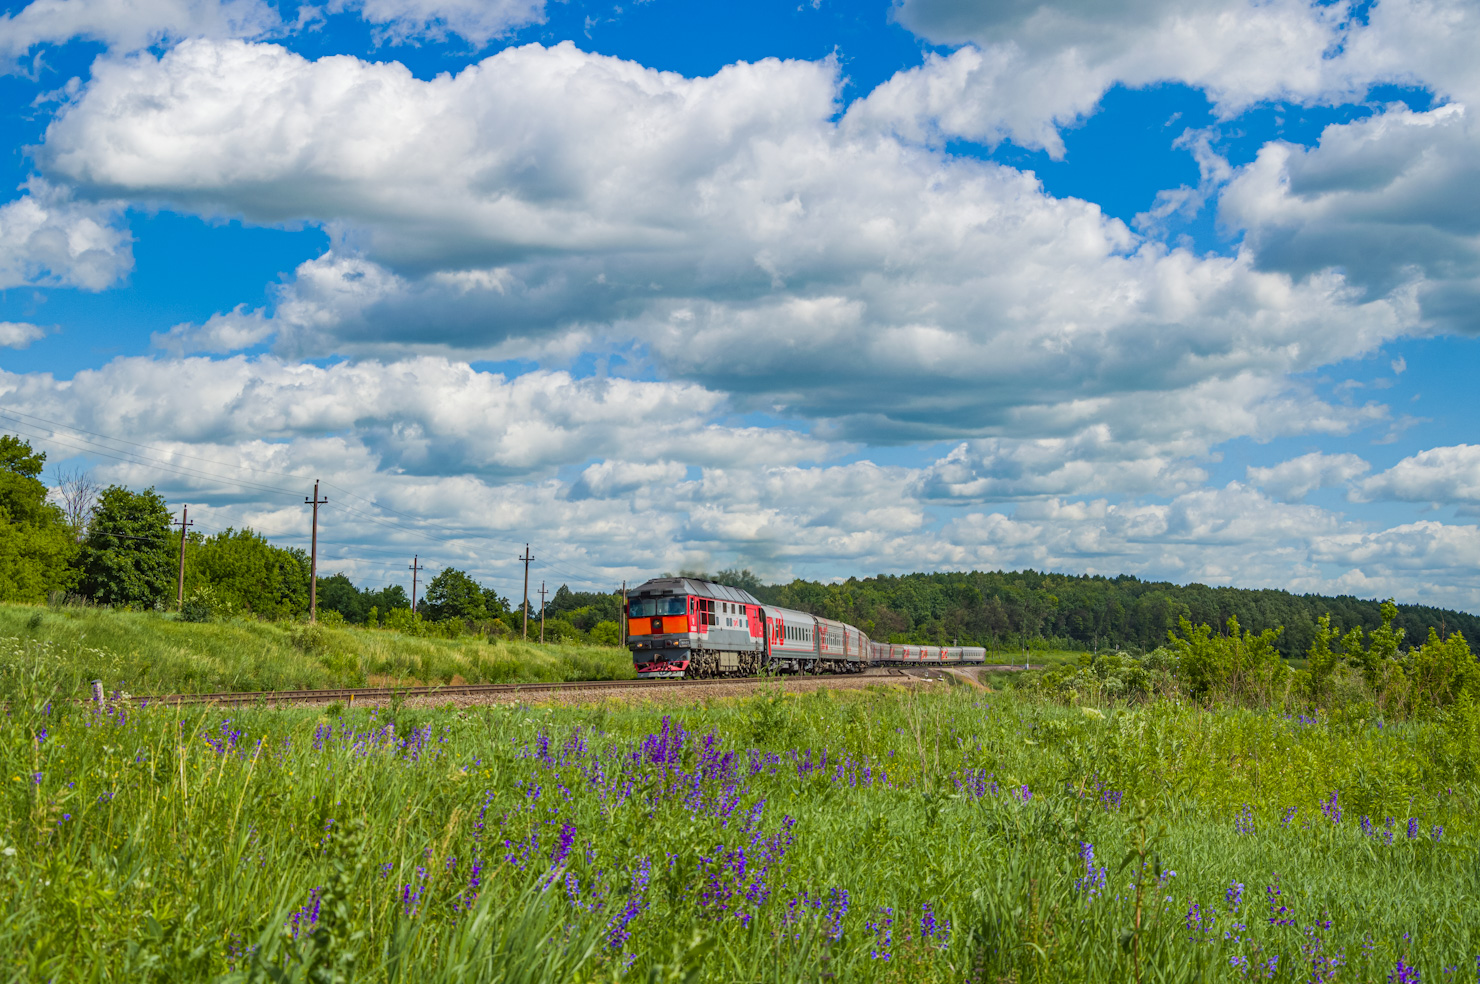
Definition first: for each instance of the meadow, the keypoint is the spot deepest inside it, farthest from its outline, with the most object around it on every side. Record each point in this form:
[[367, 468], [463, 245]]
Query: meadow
[[155, 653], [879, 835]]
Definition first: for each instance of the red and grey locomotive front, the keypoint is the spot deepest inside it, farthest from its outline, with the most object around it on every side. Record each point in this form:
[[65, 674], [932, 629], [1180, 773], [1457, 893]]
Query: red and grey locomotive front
[[679, 626]]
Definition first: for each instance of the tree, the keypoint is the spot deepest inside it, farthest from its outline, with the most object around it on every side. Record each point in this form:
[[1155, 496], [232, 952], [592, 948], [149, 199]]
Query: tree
[[338, 594], [126, 556], [77, 494], [388, 599], [454, 594], [246, 573], [37, 549]]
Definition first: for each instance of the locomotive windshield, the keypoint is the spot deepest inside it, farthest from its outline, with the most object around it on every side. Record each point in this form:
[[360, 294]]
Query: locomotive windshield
[[645, 607]]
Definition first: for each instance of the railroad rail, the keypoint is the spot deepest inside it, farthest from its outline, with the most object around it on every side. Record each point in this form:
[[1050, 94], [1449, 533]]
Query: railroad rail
[[483, 689]]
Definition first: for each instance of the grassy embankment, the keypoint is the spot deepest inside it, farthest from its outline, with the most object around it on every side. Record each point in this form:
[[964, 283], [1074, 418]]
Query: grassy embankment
[[148, 652], [870, 836]]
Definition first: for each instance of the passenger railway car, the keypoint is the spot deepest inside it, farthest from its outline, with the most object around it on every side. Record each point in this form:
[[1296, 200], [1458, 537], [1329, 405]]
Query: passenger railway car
[[686, 627]]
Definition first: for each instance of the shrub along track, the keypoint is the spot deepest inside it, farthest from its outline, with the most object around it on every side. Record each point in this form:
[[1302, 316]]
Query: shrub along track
[[581, 691]]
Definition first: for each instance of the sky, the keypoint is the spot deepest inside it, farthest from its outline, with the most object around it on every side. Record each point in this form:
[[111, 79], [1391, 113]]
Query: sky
[[1185, 290]]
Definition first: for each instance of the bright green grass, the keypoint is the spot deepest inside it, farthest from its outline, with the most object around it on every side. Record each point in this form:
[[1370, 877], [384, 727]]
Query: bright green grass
[[152, 653], [161, 845]]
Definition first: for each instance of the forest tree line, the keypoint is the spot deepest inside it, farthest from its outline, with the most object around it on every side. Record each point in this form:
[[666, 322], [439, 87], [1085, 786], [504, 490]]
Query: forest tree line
[[1017, 610]]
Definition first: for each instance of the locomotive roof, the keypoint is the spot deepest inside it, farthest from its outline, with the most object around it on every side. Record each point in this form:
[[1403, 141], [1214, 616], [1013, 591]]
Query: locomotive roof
[[692, 586]]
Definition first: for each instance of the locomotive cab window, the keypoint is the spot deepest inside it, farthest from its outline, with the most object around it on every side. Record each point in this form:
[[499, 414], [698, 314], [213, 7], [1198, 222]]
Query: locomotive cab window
[[648, 607]]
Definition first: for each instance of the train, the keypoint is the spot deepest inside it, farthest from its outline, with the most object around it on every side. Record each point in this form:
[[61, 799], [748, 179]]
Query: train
[[685, 627]]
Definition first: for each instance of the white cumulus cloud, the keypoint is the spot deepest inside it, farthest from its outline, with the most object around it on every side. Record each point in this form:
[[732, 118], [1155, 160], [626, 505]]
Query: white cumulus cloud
[[729, 225], [130, 25], [1449, 475], [1297, 478], [19, 334], [48, 238]]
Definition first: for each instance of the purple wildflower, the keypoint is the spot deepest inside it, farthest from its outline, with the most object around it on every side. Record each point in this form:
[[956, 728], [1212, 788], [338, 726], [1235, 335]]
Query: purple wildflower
[[1403, 974], [562, 849], [1279, 913], [1092, 882], [1235, 895], [883, 930]]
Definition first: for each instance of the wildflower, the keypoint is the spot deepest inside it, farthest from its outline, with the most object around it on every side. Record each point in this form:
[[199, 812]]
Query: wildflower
[[562, 849], [837, 908], [930, 929], [1199, 921], [1331, 808], [1244, 822], [883, 934], [1436, 833], [1092, 882], [1279, 913], [1403, 974], [1413, 828]]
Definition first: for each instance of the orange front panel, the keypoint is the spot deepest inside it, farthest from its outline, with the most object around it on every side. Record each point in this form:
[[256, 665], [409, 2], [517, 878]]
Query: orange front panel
[[658, 625]]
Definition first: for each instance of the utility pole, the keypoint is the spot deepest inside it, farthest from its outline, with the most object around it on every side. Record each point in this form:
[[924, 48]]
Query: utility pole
[[623, 619], [313, 556], [542, 613], [180, 585], [526, 558], [415, 569]]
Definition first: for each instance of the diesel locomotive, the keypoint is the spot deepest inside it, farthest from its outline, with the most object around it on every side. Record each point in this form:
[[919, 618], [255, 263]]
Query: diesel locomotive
[[685, 627]]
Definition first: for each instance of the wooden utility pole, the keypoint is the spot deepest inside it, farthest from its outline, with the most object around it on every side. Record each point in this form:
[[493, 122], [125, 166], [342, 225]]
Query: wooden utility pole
[[313, 556], [623, 620], [180, 584], [542, 613], [415, 569], [526, 558]]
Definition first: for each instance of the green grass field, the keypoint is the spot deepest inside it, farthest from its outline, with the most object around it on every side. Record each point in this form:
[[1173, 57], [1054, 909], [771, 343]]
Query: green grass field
[[150, 653], [870, 836]]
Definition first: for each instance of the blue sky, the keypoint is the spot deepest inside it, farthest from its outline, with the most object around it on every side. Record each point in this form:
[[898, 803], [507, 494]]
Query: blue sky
[[1184, 290]]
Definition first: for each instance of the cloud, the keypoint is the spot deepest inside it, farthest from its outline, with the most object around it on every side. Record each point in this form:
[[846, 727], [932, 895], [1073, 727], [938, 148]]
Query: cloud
[[730, 226], [1389, 201], [613, 479], [129, 25], [425, 415], [222, 333], [478, 21], [49, 239], [1090, 462], [1449, 475], [1297, 478], [1025, 69], [19, 334], [1436, 552]]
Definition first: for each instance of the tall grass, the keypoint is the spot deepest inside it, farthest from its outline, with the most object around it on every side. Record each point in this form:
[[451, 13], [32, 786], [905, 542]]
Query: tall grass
[[869, 836], [149, 652]]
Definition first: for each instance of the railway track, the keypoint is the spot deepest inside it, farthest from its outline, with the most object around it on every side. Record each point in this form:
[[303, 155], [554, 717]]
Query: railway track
[[481, 689]]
